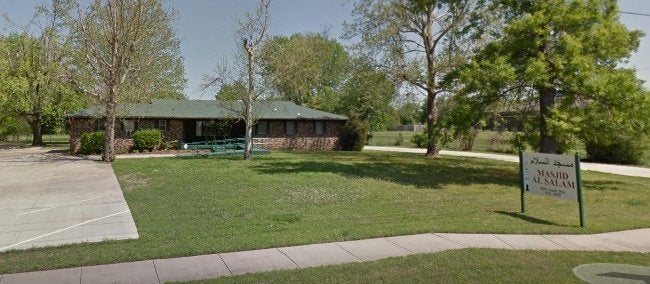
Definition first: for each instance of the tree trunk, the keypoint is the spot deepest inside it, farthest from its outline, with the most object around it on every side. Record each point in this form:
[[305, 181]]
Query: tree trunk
[[248, 108], [547, 142], [432, 118], [248, 147], [109, 134], [37, 130]]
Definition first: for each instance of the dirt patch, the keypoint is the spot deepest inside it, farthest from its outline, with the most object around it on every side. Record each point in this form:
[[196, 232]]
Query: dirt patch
[[132, 181]]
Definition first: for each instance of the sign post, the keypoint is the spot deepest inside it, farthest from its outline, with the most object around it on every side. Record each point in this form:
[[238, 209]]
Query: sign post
[[521, 177], [556, 176]]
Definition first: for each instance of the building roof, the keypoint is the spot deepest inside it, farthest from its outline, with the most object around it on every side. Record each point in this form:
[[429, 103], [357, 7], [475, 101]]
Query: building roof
[[211, 109]]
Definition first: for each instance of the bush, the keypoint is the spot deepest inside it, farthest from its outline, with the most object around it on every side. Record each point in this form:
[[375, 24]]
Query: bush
[[92, 143], [621, 151], [400, 139], [146, 139], [354, 136], [420, 140]]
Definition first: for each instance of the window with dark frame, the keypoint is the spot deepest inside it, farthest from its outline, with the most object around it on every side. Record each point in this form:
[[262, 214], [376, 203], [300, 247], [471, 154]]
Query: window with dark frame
[[100, 126], [262, 127], [290, 127], [319, 127], [129, 126], [162, 125], [199, 129]]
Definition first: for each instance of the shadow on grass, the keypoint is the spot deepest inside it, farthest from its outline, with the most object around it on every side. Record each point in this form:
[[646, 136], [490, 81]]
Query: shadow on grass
[[527, 218], [410, 170]]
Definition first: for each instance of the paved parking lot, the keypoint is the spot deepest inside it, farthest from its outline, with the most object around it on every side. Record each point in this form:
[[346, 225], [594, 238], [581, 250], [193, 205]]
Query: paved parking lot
[[48, 198]]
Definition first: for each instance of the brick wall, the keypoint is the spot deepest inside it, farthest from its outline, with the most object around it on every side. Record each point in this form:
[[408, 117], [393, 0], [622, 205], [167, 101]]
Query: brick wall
[[305, 137], [123, 140]]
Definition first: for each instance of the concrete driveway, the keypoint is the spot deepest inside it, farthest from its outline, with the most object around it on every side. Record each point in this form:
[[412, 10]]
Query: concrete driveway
[[48, 199]]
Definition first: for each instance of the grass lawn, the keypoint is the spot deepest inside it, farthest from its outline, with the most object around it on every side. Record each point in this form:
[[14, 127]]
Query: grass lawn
[[457, 266], [486, 141], [197, 206]]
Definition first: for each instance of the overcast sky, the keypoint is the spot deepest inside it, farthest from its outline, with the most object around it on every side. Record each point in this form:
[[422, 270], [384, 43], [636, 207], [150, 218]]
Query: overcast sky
[[205, 28]]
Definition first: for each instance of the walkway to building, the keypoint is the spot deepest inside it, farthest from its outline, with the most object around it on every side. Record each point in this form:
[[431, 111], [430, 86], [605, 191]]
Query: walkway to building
[[235, 263], [605, 168]]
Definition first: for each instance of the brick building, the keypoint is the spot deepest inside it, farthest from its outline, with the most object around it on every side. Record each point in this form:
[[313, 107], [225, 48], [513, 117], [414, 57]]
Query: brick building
[[279, 124]]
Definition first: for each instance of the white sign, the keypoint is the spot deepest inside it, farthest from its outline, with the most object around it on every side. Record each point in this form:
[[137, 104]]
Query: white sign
[[550, 175]]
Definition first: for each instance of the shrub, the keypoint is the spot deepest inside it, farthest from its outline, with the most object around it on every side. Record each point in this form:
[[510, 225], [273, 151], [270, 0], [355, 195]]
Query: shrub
[[92, 143], [146, 139], [400, 139], [354, 136], [420, 140], [621, 151]]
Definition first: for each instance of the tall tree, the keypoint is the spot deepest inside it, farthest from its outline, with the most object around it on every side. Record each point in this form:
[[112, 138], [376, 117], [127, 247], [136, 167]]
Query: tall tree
[[251, 31], [35, 63], [562, 58], [129, 54], [418, 40], [307, 69], [367, 95], [231, 91]]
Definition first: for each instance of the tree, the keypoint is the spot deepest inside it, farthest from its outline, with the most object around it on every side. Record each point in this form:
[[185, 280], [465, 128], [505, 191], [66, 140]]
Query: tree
[[367, 95], [409, 109], [129, 53], [561, 59], [307, 69], [231, 91], [33, 79], [251, 31], [418, 40]]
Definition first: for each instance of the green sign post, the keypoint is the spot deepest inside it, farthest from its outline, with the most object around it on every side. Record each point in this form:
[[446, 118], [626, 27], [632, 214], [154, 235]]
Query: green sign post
[[556, 176]]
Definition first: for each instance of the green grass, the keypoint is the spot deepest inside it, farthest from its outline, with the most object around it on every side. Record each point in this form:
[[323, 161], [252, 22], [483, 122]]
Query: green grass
[[458, 266], [207, 205]]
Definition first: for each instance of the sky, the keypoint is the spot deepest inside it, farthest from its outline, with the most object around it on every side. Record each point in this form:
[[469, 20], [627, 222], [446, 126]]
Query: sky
[[205, 28]]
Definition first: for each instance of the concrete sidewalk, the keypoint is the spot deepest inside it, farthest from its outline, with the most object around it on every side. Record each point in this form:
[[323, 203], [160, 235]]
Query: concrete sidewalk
[[235, 263], [604, 168]]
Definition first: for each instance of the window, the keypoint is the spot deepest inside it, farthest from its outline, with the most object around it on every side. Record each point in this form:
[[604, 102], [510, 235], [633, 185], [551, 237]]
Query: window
[[162, 125], [100, 126], [262, 127], [199, 128], [129, 126], [290, 127], [319, 127]]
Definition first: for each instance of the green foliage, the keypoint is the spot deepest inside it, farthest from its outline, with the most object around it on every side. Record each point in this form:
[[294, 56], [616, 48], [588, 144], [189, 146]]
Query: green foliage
[[307, 69], [399, 140], [569, 51], [236, 90], [354, 135], [92, 143], [623, 151], [368, 94], [410, 113], [33, 74], [420, 140], [146, 139], [417, 43]]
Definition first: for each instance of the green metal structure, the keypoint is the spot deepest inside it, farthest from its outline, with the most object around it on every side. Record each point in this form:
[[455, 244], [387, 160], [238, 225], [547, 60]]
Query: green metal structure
[[223, 147]]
